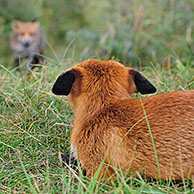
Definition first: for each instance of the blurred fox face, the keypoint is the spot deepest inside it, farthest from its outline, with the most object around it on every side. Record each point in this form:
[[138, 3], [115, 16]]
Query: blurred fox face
[[25, 32]]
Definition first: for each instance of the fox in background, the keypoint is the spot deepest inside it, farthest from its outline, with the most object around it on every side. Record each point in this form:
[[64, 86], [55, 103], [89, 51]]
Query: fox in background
[[27, 41]]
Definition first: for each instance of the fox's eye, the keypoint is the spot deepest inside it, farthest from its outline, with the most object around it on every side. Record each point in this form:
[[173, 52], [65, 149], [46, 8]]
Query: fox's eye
[[22, 33], [32, 33]]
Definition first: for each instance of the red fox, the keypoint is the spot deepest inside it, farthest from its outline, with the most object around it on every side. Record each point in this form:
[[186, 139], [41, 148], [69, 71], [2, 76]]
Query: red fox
[[27, 41], [152, 135]]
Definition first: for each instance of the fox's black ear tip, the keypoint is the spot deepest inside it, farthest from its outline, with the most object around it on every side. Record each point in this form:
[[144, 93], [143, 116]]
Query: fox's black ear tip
[[64, 82], [57, 91], [150, 90], [143, 85], [35, 19], [57, 88], [154, 90], [53, 90]]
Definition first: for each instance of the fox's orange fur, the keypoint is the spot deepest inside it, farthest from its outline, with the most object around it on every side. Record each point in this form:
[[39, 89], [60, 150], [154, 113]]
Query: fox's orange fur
[[110, 126]]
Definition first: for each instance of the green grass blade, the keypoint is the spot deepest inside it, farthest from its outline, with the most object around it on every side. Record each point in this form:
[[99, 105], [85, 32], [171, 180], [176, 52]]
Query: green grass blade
[[10, 73], [152, 139], [67, 49], [27, 176]]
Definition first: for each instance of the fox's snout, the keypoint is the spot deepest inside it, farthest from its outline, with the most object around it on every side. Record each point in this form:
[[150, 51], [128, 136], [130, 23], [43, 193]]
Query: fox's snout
[[25, 40]]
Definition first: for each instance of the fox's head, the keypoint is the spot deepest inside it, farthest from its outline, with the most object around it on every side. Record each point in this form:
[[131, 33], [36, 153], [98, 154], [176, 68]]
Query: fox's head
[[25, 32], [100, 81]]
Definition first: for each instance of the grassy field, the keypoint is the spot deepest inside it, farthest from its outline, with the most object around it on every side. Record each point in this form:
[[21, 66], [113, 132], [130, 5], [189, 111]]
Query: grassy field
[[155, 37], [35, 129]]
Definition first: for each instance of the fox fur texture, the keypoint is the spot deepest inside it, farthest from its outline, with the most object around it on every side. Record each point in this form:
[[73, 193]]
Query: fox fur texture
[[112, 127]]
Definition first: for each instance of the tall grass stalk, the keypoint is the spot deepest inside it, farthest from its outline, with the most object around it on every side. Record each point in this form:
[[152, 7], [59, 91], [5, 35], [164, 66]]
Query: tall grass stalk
[[10, 73], [27, 176], [152, 139]]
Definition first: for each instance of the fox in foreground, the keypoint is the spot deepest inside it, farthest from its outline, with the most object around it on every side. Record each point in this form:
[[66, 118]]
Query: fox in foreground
[[112, 128], [27, 41]]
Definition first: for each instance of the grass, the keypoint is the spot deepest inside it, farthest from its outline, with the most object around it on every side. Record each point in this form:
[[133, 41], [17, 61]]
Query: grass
[[35, 128]]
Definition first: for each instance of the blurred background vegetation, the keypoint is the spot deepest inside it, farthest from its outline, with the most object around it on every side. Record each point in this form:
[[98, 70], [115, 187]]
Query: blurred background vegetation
[[134, 32]]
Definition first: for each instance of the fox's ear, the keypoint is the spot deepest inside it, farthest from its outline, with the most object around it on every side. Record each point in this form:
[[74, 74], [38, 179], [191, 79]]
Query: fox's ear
[[35, 20], [64, 83], [143, 85], [15, 24]]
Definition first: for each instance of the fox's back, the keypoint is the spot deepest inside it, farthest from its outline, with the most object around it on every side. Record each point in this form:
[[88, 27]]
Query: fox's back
[[162, 108], [169, 119]]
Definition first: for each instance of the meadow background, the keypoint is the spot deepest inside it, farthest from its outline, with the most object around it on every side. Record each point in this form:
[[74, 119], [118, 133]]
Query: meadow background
[[155, 37]]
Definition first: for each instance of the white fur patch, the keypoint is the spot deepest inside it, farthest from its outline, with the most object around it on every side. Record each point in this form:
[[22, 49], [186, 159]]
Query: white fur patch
[[73, 152]]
